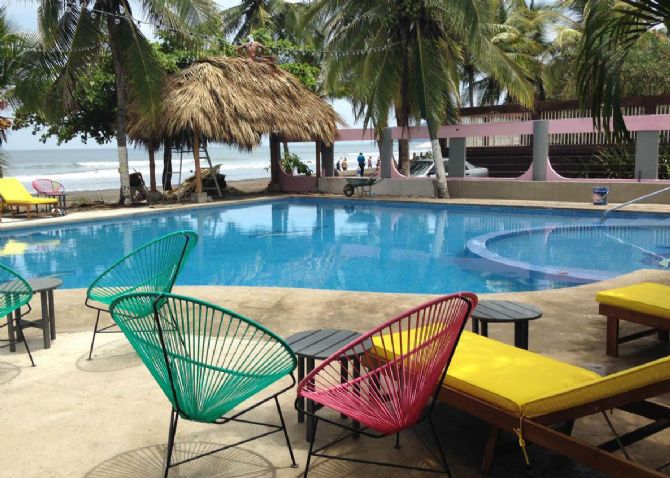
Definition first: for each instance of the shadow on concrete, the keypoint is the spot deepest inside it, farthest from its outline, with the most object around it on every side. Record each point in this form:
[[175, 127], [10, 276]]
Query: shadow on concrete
[[110, 357], [8, 372], [148, 462]]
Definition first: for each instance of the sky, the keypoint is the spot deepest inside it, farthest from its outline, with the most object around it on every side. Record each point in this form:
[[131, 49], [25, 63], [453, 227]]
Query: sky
[[23, 14]]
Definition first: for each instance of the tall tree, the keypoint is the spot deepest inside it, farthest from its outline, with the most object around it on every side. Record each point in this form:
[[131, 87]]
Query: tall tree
[[610, 30], [74, 33], [278, 16], [406, 54], [13, 48]]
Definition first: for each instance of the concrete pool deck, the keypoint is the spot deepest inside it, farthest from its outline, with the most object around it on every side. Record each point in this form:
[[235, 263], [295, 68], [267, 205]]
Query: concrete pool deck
[[69, 417]]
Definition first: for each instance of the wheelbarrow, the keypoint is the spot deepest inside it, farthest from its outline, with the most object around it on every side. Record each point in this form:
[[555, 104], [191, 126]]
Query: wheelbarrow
[[363, 185]]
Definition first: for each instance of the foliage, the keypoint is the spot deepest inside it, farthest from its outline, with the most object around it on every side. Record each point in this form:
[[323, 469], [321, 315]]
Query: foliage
[[610, 30], [93, 117], [278, 16], [410, 51], [299, 60], [618, 161], [645, 71], [73, 36], [291, 162]]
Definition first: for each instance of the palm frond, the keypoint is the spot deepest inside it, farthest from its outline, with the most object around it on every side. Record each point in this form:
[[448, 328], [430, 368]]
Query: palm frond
[[142, 69]]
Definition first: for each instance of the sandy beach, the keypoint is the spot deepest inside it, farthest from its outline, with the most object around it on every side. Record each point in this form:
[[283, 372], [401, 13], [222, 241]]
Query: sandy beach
[[111, 196]]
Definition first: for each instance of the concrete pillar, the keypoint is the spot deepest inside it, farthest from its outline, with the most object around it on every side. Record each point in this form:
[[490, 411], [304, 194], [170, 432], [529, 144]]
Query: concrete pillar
[[327, 155], [456, 158], [386, 149], [646, 155], [540, 149]]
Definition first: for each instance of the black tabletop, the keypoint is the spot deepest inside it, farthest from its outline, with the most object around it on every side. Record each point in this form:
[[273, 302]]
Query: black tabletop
[[505, 311], [39, 284], [322, 343]]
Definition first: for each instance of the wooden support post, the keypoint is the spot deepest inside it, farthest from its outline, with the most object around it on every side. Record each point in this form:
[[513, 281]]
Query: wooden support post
[[196, 158], [318, 159]]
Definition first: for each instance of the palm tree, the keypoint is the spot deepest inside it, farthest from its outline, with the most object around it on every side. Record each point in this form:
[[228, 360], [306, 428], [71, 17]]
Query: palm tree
[[278, 16], [406, 54], [610, 29], [73, 34], [13, 47]]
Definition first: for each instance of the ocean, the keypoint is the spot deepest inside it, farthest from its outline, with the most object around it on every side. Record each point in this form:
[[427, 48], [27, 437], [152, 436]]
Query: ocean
[[97, 169]]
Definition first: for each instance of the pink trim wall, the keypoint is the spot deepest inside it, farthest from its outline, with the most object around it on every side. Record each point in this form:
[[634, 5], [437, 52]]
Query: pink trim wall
[[570, 125], [297, 183]]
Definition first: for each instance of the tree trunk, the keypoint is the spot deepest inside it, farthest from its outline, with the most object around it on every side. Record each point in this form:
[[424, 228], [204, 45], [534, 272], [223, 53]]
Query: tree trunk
[[167, 165], [120, 77], [152, 169], [440, 174], [402, 115], [471, 85], [286, 151], [403, 155]]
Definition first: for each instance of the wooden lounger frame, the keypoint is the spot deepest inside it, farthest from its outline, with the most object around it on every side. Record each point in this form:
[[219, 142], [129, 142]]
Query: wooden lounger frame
[[17, 205], [614, 314], [544, 430]]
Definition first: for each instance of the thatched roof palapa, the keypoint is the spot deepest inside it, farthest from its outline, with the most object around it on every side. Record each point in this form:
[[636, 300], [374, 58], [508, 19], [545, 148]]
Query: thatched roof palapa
[[237, 100]]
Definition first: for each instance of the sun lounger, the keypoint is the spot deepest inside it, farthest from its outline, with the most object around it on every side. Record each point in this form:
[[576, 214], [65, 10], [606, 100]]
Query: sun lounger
[[13, 193], [646, 303], [532, 395]]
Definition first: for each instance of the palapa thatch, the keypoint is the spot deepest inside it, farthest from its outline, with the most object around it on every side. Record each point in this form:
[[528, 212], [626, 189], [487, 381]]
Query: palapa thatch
[[237, 100]]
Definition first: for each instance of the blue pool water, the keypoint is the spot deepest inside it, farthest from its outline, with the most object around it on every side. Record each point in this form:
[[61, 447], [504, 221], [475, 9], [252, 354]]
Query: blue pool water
[[359, 246]]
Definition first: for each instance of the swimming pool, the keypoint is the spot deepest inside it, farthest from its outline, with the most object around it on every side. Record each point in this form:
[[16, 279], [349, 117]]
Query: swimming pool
[[358, 245]]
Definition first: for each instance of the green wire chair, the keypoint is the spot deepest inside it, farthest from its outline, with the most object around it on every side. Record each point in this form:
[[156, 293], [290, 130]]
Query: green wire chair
[[206, 359], [152, 267], [15, 292]]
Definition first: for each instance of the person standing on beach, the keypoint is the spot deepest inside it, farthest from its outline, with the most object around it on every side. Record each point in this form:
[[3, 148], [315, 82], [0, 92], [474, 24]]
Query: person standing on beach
[[344, 164], [361, 163], [369, 162], [337, 165]]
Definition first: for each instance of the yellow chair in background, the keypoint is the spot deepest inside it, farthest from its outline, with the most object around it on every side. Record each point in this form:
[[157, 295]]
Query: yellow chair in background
[[13, 193]]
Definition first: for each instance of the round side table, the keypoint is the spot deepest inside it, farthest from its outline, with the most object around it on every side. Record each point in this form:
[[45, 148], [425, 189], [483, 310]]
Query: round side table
[[505, 311], [319, 344]]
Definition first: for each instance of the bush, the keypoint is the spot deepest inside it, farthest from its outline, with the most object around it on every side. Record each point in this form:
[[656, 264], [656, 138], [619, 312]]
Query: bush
[[291, 162]]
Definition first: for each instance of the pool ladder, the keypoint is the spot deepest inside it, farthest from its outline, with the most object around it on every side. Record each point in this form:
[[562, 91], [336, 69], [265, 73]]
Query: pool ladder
[[632, 201]]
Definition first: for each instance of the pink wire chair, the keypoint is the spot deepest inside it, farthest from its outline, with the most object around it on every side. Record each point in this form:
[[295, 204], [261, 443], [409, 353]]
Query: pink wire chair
[[50, 188], [397, 368]]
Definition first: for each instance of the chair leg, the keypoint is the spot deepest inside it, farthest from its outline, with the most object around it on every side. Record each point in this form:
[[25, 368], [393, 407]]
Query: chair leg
[[95, 331], [283, 427], [490, 449], [440, 450], [23, 337], [612, 347], [174, 418], [311, 447]]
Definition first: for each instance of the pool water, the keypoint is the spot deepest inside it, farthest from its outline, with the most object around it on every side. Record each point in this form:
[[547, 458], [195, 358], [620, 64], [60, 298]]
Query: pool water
[[351, 245]]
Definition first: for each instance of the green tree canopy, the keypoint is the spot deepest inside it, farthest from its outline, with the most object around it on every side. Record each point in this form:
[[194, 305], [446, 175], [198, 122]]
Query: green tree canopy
[[645, 71]]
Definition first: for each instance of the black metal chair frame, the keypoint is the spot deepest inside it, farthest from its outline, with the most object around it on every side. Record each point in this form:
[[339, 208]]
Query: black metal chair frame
[[176, 412], [355, 432], [15, 317]]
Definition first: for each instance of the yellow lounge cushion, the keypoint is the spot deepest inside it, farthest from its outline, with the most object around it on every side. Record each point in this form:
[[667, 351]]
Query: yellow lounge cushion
[[501, 374], [646, 297], [614, 384], [13, 192], [527, 383]]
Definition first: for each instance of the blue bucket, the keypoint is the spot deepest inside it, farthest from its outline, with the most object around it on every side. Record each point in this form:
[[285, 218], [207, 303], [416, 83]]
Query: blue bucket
[[600, 196]]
